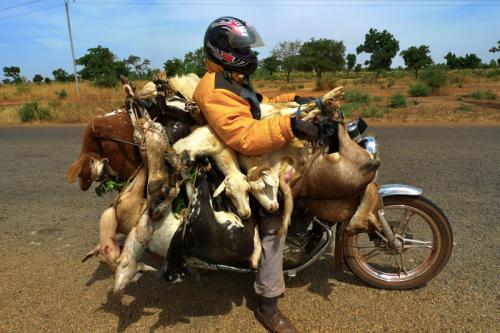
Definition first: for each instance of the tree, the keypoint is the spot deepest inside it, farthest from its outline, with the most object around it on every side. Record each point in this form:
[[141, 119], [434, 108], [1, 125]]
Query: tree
[[37, 78], [270, 64], [287, 53], [452, 61], [495, 49], [47, 80], [416, 58], [12, 72], [351, 61], [194, 62], [323, 55], [471, 61], [173, 67], [6, 81], [134, 63], [383, 48], [100, 67], [60, 75]]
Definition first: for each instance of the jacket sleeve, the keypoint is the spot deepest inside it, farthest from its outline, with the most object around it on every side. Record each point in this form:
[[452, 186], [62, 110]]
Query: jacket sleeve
[[230, 117], [283, 98]]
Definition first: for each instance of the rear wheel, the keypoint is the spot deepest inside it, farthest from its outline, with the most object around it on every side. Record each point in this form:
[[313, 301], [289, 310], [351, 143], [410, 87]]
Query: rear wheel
[[427, 243]]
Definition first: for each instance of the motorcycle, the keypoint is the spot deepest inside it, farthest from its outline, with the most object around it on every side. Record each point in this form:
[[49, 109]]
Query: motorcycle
[[413, 246]]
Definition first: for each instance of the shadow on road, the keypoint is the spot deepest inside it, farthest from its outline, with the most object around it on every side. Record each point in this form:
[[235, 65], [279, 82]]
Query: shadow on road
[[214, 294]]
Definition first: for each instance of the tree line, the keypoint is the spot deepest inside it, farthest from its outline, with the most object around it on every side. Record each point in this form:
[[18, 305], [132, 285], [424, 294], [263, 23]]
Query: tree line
[[101, 66]]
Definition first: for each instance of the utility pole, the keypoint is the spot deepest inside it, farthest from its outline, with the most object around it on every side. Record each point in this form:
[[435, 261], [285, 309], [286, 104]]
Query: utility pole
[[66, 2]]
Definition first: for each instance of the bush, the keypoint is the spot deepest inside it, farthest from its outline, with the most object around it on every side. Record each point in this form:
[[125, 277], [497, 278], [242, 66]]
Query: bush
[[62, 94], [476, 95], [397, 101], [325, 84], [464, 107], [373, 112], [357, 97], [435, 76], [377, 98], [420, 89], [480, 95], [287, 87], [490, 95], [300, 86], [33, 112], [107, 80]]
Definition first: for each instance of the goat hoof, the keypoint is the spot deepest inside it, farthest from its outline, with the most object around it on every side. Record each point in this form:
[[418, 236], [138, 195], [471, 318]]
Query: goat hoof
[[174, 274]]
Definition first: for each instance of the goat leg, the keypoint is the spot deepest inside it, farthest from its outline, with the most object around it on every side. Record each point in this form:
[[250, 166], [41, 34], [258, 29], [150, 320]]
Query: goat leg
[[158, 182], [129, 269], [108, 250], [175, 269], [365, 218]]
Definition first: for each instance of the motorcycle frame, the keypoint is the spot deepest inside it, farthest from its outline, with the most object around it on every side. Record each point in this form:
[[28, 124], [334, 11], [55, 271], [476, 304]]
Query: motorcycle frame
[[338, 253]]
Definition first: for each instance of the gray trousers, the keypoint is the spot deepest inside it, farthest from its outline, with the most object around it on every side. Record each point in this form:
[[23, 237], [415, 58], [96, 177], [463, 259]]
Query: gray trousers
[[269, 281]]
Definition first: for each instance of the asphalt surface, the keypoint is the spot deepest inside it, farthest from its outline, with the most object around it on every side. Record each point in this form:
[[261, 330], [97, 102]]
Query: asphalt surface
[[46, 227]]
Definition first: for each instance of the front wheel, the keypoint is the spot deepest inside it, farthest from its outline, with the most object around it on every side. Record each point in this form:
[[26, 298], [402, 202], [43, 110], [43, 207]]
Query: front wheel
[[427, 243]]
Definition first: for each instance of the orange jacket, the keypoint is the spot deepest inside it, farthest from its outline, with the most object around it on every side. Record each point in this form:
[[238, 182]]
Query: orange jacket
[[230, 116]]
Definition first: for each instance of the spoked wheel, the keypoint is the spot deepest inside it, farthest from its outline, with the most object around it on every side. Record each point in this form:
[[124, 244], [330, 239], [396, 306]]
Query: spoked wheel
[[427, 243]]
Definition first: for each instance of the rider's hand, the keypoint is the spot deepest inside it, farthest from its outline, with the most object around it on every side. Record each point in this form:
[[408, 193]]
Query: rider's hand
[[303, 100], [304, 130]]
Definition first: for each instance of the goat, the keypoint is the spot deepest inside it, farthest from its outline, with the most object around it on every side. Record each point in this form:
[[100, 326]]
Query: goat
[[203, 141], [212, 236]]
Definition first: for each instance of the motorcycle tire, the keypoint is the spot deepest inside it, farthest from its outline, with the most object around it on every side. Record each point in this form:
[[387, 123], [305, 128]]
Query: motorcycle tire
[[400, 277]]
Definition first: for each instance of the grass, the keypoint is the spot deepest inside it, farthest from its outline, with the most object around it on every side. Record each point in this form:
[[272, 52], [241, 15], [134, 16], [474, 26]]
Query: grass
[[373, 112], [357, 97], [363, 96]]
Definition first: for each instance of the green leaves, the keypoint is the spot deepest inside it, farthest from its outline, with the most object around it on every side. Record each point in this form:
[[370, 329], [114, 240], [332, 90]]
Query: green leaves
[[383, 48], [323, 55], [100, 67], [417, 57], [109, 185]]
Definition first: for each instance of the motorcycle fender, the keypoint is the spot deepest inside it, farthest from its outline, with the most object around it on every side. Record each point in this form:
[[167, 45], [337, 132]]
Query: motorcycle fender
[[398, 189]]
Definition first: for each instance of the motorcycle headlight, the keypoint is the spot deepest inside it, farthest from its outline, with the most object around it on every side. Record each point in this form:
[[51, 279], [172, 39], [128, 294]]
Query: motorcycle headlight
[[370, 144]]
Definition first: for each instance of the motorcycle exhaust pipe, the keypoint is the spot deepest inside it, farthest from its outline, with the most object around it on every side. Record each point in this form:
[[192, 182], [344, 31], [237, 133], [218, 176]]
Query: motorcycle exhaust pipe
[[394, 242]]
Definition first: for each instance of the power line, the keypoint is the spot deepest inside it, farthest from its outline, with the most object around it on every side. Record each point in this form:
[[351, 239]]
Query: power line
[[21, 4], [31, 12]]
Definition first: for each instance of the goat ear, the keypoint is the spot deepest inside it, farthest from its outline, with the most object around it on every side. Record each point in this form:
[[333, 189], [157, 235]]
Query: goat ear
[[268, 179], [219, 189], [73, 171], [257, 185]]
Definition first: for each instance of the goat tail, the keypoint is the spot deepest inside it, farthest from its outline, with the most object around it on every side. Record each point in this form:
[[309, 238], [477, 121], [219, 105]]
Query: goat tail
[[287, 199]]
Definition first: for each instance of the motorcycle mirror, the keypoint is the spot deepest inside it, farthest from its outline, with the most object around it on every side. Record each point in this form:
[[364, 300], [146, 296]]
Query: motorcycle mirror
[[362, 125]]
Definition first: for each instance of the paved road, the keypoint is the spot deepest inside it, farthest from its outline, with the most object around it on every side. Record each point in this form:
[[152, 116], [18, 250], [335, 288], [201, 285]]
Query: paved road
[[46, 226]]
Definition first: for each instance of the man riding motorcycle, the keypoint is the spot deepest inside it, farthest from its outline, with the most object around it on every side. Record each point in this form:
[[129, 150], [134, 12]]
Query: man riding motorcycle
[[231, 108]]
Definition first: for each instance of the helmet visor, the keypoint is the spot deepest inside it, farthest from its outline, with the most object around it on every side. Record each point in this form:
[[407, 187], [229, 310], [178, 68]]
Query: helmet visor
[[245, 37]]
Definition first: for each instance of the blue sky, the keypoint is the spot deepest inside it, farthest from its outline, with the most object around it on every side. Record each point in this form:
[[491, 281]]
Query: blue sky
[[38, 42]]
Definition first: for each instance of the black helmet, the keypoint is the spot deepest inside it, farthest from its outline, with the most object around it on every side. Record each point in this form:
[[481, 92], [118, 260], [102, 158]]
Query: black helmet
[[228, 42]]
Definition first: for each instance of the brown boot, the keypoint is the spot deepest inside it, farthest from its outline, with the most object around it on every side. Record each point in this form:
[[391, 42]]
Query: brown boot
[[270, 316]]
